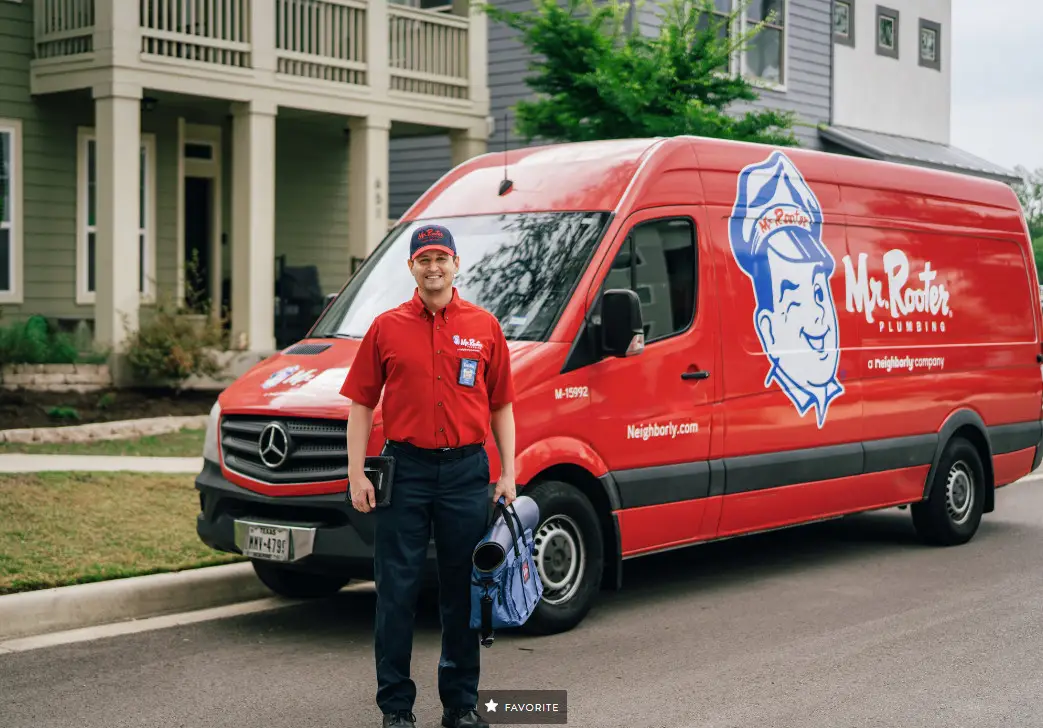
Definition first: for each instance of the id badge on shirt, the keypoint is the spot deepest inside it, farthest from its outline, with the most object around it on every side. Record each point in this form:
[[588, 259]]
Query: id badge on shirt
[[468, 372]]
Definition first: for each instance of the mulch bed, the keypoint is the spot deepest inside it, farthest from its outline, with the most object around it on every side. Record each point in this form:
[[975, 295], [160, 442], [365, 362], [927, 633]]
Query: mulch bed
[[27, 408]]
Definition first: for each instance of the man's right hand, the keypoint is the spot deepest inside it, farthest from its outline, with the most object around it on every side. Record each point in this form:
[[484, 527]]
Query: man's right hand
[[363, 496]]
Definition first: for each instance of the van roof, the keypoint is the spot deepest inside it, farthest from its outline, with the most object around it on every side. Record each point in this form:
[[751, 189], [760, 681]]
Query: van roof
[[596, 175]]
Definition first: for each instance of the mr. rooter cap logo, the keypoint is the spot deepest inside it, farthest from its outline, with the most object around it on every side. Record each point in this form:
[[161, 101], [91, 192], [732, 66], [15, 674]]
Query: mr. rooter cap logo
[[428, 234]]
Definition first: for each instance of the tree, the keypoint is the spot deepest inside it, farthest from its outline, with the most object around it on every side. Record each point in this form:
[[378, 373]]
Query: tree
[[1030, 193], [594, 79]]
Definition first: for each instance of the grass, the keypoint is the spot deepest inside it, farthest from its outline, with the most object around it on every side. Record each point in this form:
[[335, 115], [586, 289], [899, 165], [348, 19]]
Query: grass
[[185, 443], [58, 529]]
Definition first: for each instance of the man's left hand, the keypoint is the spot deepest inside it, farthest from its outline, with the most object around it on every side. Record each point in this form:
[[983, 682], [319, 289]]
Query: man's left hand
[[505, 488]]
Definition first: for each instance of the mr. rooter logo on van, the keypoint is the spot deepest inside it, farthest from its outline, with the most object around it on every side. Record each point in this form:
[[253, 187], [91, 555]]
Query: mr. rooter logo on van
[[866, 294], [776, 239]]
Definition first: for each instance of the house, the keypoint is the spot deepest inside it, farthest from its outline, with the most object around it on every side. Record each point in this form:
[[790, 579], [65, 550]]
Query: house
[[861, 78], [142, 139], [892, 71], [790, 65], [193, 148]]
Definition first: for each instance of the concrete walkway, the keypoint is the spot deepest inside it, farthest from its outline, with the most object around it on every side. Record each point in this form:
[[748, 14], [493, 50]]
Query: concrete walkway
[[39, 463]]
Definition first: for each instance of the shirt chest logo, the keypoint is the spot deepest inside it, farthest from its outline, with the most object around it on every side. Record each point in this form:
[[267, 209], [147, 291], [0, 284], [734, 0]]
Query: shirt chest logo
[[468, 344]]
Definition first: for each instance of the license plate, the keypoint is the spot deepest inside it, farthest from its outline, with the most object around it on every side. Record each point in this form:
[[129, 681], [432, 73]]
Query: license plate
[[267, 542]]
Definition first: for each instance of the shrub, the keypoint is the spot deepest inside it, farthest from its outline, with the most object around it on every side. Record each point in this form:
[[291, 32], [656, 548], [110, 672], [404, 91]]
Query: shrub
[[34, 341], [170, 346]]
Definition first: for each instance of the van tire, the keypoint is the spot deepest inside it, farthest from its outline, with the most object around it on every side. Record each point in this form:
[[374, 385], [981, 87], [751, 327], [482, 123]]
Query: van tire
[[297, 584], [952, 513], [567, 520]]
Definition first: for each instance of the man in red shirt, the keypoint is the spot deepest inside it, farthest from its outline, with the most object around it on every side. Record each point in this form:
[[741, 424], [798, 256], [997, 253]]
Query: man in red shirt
[[443, 367]]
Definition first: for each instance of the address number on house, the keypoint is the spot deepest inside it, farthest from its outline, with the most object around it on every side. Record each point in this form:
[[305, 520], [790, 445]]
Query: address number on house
[[267, 542]]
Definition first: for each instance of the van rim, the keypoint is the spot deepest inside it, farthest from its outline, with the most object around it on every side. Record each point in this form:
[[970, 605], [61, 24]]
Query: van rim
[[959, 492], [560, 558]]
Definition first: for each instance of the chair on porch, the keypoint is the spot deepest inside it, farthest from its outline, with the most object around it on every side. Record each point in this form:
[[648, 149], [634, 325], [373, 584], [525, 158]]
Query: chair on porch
[[299, 300]]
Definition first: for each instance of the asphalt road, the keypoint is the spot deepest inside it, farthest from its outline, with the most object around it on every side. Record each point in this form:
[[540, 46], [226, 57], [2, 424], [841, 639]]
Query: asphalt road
[[847, 623]]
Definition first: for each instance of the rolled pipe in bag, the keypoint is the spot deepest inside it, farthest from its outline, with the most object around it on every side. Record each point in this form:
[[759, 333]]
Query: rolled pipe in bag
[[491, 551]]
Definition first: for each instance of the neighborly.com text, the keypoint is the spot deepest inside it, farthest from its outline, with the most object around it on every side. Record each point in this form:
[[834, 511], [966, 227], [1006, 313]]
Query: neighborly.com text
[[670, 429], [910, 363]]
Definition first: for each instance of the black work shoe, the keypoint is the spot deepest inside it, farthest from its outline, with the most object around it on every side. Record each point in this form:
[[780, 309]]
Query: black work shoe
[[399, 719], [463, 718]]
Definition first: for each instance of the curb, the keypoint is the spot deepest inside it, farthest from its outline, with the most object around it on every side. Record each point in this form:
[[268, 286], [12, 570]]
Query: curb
[[28, 614], [105, 430]]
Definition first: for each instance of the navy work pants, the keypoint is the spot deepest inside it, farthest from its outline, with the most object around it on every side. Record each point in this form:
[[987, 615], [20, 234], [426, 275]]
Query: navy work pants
[[452, 496]]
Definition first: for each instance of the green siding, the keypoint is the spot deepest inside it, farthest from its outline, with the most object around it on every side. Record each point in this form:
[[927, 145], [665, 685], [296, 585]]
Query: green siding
[[311, 197], [48, 173]]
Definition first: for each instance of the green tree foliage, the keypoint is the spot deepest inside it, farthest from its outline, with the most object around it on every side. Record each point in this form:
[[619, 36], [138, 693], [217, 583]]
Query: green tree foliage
[[1030, 193], [595, 79]]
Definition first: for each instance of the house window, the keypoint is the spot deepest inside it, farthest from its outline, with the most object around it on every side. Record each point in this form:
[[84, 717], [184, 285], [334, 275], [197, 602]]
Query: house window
[[658, 262], [930, 44], [86, 258], [844, 22], [886, 32], [766, 52], [10, 211], [718, 16]]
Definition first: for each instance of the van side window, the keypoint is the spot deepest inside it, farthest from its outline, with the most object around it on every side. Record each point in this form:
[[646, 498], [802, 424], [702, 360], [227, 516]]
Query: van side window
[[658, 262]]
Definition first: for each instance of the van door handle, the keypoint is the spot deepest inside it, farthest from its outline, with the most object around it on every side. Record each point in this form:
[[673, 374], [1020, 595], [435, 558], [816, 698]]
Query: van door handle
[[695, 375]]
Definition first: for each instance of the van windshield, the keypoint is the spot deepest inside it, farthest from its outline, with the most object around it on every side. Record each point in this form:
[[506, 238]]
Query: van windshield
[[521, 267]]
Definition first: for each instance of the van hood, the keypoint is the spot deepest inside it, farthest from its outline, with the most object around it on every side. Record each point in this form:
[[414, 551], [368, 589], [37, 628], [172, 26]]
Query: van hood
[[309, 385]]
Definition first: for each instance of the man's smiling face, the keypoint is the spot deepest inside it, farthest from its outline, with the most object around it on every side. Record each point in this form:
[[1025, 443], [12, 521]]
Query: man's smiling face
[[800, 334], [434, 270]]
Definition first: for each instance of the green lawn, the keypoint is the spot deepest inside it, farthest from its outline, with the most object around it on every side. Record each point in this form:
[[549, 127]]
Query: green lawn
[[67, 528], [186, 443]]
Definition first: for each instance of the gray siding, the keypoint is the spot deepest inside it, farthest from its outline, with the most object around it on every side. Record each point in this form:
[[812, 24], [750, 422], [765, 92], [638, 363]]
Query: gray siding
[[311, 197], [809, 46]]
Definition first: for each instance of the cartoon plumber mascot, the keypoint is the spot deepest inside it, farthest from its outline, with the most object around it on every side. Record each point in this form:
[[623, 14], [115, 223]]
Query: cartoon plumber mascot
[[776, 238]]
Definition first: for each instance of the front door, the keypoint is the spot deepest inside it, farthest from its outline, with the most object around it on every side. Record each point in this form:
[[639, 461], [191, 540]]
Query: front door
[[198, 243], [653, 411]]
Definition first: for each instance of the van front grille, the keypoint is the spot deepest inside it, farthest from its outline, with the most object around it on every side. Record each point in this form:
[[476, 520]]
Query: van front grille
[[285, 450]]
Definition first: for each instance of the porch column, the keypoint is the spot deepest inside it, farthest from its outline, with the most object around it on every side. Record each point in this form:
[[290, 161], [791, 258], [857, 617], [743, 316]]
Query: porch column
[[468, 143], [367, 183], [253, 226], [117, 260]]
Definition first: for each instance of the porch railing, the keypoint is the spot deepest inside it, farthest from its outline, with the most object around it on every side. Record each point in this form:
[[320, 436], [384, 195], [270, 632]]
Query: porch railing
[[427, 51], [63, 27]]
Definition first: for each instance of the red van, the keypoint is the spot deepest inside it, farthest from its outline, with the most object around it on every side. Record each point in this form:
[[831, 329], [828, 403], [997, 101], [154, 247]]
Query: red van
[[708, 338]]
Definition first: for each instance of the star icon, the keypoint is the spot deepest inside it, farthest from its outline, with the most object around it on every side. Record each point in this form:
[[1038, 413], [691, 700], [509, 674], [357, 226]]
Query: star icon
[[491, 706]]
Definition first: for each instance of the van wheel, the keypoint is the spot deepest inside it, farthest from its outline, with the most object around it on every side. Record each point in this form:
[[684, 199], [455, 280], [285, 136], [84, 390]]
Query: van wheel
[[952, 513], [569, 557], [297, 584]]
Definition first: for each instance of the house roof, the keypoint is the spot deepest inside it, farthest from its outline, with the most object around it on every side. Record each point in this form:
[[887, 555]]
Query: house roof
[[893, 148]]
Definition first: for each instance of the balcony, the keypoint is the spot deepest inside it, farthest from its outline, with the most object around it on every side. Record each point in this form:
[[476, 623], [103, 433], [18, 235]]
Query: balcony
[[317, 54]]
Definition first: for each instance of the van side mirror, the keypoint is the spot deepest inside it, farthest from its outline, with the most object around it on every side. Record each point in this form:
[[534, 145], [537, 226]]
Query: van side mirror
[[622, 330]]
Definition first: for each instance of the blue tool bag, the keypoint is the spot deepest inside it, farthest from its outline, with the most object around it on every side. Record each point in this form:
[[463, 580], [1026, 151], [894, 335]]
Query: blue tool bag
[[505, 584]]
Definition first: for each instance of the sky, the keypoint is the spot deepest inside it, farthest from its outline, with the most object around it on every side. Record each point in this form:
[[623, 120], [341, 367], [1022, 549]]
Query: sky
[[997, 80]]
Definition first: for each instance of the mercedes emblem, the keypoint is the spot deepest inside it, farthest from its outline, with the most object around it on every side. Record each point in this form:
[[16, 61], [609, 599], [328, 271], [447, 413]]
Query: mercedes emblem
[[274, 445]]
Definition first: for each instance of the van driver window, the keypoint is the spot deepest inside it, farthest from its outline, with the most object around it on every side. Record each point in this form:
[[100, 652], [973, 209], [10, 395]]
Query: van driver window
[[658, 262]]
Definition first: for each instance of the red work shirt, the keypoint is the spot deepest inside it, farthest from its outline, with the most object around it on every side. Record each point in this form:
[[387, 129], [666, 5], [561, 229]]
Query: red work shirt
[[442, 375]]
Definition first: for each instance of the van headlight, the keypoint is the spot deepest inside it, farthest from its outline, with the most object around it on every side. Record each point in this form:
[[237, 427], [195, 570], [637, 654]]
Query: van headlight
[[210, 445]]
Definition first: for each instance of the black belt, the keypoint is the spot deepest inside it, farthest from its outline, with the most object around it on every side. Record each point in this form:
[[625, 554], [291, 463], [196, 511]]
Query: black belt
[[438, 454]]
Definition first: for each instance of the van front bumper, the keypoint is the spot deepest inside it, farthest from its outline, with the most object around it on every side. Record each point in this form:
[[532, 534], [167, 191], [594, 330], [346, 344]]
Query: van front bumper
[[326, 533]]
